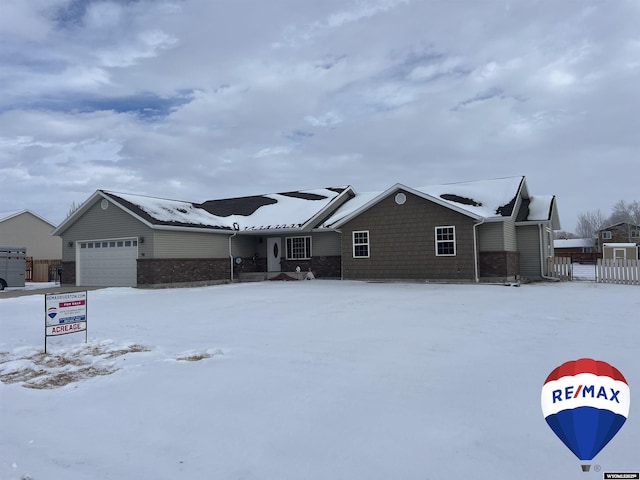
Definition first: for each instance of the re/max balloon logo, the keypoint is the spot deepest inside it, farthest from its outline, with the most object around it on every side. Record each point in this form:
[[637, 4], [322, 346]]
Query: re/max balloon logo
[[585, 402], [588, 390]]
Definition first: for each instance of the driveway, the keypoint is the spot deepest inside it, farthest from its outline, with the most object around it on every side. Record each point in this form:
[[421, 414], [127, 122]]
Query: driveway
[[35, 290]]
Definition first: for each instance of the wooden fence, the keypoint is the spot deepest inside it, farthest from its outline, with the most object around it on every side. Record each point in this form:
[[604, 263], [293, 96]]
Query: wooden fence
[[42, 270], [618, 271]]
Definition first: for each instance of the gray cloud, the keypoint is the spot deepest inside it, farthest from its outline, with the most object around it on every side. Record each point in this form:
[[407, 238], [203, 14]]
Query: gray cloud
[[197, 100]]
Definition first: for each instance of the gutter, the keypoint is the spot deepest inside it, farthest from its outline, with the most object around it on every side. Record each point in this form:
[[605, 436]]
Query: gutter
[[475, 251], [236, 227], [542, 256]]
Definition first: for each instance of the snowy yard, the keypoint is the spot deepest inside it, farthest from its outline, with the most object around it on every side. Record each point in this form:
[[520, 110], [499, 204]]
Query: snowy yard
[[309, 380]]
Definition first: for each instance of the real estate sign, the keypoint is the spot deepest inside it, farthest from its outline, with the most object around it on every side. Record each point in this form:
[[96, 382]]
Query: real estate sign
[[65, 313]]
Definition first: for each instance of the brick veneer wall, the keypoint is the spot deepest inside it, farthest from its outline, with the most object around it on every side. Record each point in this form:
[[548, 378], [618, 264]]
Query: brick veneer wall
[[322, 267], [499, 264], [68, 273], [167, 271]]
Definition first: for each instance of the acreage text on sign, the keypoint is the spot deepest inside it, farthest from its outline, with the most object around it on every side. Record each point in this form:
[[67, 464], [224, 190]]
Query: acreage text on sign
[[64, 313], [66, 328]]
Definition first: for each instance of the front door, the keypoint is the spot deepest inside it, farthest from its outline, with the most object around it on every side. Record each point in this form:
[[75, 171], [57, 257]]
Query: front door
[[274, 249]]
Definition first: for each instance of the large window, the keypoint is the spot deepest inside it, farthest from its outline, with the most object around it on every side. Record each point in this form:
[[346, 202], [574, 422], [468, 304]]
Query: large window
[[361, 244], [445, 241], [298, 248]]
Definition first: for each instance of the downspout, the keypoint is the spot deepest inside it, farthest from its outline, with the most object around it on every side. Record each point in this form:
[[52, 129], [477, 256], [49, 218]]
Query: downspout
[[542, 256], [236, 227], [475, 251]]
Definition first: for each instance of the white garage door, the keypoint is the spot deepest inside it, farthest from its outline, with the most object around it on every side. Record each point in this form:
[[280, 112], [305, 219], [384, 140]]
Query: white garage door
[[108, 263]]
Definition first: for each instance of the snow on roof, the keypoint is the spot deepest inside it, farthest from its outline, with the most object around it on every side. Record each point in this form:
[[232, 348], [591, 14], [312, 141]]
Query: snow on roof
[[350, 207], [489, 199], [621, 245], [484, 198], [271, 211], [574, 242], [540, 207], [287, 212], [172, 211]]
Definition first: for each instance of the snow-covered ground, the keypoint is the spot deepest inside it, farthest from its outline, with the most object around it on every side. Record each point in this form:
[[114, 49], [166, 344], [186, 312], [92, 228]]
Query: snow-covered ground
[[309, 380]]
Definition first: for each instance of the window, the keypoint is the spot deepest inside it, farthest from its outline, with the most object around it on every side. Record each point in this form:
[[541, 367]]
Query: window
[[298, 248], [445, 241], [635, 233], [361, 244], [606, 235]]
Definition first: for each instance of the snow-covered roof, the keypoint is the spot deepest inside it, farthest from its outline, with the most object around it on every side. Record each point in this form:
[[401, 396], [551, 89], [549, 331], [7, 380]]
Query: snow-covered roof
[[574, 242], [488, 199], [170, 212], [288, 210], [325, 208], [484, 198], [619, 245], [540, 207]]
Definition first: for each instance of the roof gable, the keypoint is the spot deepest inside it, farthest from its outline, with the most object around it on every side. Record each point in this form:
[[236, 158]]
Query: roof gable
[[485, 198], [489, 199], [9, 215]]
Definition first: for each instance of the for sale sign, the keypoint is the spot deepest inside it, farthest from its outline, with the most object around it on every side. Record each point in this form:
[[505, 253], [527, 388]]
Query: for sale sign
[[65, 313]]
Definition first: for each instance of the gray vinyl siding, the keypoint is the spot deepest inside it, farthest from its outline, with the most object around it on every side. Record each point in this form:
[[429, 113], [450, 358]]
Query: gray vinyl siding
[[491, 237], [325, 244], [178, 244], [244, 246], [510, 236], [529, 247], [99, 224], [497, 237]]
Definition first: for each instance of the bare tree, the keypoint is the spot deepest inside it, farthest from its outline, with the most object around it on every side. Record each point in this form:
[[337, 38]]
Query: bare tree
[[626, 212], [562, 235], [589, 223], [72, 208]]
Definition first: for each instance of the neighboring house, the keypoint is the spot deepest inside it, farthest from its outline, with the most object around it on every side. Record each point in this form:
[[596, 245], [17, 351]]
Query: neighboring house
[[471, 231], [568, 246], [27, 229], [618, 233]]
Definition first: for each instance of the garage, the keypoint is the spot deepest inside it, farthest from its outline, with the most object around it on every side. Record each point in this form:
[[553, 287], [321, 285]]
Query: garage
[[107, 262]]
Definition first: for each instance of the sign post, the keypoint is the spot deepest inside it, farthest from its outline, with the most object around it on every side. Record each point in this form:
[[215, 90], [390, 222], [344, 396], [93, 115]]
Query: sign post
[[65, 313]]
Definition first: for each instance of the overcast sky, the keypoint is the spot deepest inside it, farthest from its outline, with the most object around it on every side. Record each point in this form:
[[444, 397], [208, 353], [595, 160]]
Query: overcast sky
[[206, 99]]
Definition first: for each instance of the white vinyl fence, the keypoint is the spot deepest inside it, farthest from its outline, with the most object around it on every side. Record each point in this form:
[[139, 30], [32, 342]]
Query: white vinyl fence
[[618, 271], [562, 268], [604, 271]]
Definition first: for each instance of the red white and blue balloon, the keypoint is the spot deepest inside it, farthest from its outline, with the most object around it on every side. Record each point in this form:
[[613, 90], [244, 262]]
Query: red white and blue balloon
[[585, 402]]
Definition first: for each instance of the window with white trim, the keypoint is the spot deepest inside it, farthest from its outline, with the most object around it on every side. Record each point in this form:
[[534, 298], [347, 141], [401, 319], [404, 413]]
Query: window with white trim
[[298, 248], [445, 241], [635, 233], [361, 244], [606, 235]]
